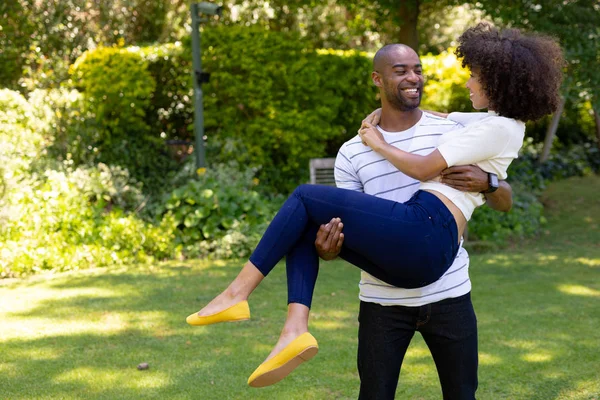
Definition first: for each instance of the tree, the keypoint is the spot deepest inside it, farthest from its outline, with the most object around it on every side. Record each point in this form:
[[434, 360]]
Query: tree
[[576, 24]]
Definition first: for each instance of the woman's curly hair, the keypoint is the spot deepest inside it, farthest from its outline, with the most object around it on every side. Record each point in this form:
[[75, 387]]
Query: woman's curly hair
[[520, 74]]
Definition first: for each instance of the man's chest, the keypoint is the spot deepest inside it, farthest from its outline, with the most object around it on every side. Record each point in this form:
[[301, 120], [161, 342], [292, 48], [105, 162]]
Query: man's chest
[[380, 178]]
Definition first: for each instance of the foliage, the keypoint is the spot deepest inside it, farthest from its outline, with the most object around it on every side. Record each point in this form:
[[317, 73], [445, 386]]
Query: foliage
[[41, 39], [445, 81], [20, 142], [65, 218], [492, 229], [171, 109], [61, 222], [70, 220], [529, 178], [116, 88], [575, 23], [218, 214], [272, 101]]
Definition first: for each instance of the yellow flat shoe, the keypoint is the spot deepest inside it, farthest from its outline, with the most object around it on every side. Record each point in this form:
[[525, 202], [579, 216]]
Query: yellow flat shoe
[[237, 312], [301, 349]]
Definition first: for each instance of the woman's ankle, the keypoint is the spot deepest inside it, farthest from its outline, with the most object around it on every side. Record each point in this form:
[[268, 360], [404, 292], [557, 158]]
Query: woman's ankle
[[235, 293], [296, 322]]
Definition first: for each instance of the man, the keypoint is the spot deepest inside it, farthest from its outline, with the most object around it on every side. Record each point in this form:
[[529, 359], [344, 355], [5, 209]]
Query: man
[[389, 316]]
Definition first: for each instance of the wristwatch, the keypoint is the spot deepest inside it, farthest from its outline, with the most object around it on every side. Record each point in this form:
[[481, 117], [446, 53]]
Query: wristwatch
[[492, 182]]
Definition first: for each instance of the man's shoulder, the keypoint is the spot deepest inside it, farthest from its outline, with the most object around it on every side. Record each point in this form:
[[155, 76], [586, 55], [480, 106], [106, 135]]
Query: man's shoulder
[[351, 146], [431, 121]]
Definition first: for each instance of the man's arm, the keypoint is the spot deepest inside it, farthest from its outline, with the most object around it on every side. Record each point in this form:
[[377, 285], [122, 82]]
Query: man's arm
[[469, 178]]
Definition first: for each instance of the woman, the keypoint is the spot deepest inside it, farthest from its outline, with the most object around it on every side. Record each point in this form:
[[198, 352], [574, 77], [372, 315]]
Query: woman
[[412, 244]]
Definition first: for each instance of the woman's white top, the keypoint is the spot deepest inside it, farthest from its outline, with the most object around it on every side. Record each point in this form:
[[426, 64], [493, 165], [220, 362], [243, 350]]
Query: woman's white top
[[491, 143]]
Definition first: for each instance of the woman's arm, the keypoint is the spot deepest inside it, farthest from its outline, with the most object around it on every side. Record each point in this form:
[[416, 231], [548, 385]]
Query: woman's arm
[[439, 114], [375, 116], [416, 166]]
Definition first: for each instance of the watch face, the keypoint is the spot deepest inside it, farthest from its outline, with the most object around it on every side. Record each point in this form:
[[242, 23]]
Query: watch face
[[493, 180]]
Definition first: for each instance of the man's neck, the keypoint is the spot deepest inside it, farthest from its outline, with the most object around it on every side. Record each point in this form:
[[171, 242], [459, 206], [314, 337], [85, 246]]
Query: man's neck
[[396, 121]]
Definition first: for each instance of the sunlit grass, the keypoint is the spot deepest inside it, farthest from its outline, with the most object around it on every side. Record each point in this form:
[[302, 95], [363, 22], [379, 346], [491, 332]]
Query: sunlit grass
[[82, 334], [579, 290]]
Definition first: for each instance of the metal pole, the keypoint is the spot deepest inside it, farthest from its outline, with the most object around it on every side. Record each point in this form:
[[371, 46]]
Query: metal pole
[[198, 100]]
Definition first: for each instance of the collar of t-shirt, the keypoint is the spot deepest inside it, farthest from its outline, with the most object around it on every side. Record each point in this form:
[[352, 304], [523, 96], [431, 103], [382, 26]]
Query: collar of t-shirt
[[408, 132]]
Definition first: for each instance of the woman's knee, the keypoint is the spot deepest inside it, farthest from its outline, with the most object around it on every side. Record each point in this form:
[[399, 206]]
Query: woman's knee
[[301, 189]]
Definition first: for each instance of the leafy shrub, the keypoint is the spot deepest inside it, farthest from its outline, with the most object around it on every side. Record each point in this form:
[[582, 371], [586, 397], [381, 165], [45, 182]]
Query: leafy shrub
[[528, 178], [219, 213], [61, 221], [65, 218], [272, 102], [116, 88], [20, 142], [489, 229], [445, 81]]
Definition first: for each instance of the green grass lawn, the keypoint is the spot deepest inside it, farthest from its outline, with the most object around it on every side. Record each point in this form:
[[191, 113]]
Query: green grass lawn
[[82, 334]]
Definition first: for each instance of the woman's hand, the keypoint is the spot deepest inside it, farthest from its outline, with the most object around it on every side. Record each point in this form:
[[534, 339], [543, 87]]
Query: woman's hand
[[371, 136], [373, 118]]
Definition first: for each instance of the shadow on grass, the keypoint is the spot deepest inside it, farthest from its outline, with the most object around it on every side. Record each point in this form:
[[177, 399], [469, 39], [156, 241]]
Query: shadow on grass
[[90, 332]]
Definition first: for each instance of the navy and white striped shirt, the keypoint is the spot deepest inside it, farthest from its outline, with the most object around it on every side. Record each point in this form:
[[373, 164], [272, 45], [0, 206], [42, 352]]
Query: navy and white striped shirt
[[359, 168]]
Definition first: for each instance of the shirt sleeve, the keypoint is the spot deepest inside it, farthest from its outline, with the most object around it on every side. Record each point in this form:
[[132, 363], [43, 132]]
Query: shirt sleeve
[[478, 143], [345, 175], [467, 118]]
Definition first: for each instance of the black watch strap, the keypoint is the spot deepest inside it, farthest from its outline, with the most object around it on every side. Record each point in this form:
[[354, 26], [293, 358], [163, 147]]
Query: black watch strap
[[492, 183]]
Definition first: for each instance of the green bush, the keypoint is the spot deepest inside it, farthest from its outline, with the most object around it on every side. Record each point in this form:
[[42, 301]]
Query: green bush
[[489, 229], [218, 213], [272, 102], [109, 123], [445, 80], [116, 87], [171, 108], [528, 178], [65, 218], [20, 142]]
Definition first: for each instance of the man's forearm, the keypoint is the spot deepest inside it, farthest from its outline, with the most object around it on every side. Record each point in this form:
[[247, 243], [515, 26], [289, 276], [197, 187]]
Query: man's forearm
[[501, 199]]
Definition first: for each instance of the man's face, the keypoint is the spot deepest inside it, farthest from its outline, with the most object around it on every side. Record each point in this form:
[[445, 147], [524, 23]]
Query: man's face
[[401, 80]]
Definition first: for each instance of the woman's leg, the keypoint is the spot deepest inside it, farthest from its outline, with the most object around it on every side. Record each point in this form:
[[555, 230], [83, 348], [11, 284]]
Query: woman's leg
[[238, 290], [394, 240], [402, 240], [302, 268]]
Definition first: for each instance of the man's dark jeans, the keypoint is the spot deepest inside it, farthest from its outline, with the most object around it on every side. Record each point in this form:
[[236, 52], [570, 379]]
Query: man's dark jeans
[[449, 328]]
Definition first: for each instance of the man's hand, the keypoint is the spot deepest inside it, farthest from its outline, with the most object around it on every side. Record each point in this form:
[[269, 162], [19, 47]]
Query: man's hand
[[466, 178], [470, 178], [329, 239]]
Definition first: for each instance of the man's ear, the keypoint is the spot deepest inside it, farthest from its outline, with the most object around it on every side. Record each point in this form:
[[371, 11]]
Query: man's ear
[[376, 79]]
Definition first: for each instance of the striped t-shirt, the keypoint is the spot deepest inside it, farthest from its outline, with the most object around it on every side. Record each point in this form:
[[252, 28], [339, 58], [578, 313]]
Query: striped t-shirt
[[359, 168]]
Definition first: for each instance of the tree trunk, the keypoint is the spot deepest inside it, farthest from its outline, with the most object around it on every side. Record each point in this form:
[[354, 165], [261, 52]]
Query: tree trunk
[[551, 132], [409, 17], [597, 118]]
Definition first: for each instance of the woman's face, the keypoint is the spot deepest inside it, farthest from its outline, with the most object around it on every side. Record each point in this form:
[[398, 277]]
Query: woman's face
[[477, 96]]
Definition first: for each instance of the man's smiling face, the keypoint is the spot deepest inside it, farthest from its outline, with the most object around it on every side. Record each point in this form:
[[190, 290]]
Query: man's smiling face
[[400, 76]]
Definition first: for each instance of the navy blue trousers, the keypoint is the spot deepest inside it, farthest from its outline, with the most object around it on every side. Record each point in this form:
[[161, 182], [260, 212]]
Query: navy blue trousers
[[407, 245]]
